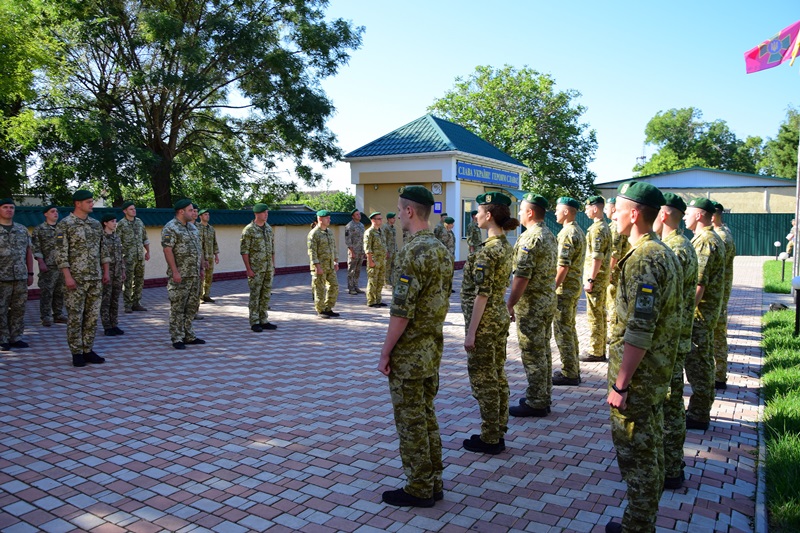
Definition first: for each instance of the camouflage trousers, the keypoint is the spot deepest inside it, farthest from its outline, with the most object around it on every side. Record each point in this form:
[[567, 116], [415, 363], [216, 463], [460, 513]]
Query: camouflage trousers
[[721, 346], [597, 318], [375, 278], [674, 421], [534, 343], [611, 305], [418, 431], [208, 277], [700, 370], [637, 436], [487, 376], [260, 293], [109, 307], [13, 295], [390, 269], [354, 270], [325, 288], [83, 308], [566, 333], [134, 282], [51, 294], [790, 248], [184, 301]]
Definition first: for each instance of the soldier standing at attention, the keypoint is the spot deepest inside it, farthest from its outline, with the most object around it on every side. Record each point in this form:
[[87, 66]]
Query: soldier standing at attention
[[448, 238], [571, 246], [83, 260], [531, 304], [721, 330], [708, 301], [51, 282], [668, 227], [208, 240], [135, 250], [619, 247], [474, 236], [354, 239], [375, 248], [486, 278], [790, 238], [596, 274], [439, 229], [390, 234], [16, 275], [412, 350], [324, 266], [644, 343], [182, 251], [257, 247], [109, 306]]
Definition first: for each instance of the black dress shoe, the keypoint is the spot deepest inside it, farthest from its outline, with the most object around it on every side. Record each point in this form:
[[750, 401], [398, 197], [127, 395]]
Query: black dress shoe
[[561, 379], [613, 527], [179, 345], [5, 347], [594, 359], [138, 307], [92, 357], [267, 325], [691, 423], [119, 331], [110, 332], [19, 344], [525, 410], [331, 314], [194, 341], [474, 444], [401, 498], [720, 385], [382, 305], [78, 360], [438, 496], [523, 401], [674, 483], [323, 314], [257, 328]]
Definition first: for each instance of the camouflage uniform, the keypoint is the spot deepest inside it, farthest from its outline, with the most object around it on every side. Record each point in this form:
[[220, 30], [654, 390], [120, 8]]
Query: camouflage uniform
[[721, 330], [474, 235], [208, 241], [259, 244], [535, 259], [184, 297], [51, 283], [448, 238], [648, 317], [80, 247], [619, 247], [700, 360], [571, 246], [109, 307], [354, 238], [406, 237], [487, 273], [390, 234], [322, 250], [134, 238], [421, 295], [598, 246], [14, 244], [439, 230], [375, 244], [674, 411]]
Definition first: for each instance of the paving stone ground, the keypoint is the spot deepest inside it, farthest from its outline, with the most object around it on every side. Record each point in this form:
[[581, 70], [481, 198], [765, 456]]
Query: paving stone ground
[[292, 430]]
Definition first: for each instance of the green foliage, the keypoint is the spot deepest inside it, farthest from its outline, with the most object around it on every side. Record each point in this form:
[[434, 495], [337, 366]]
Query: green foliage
[[336, 201], [780, 153], [781, 381], [781, 358], [782, 413], [772, 277], [523, 114], [783, 471]]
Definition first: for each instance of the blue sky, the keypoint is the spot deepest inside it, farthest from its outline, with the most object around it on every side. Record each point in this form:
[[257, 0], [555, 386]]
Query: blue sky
[[629, 60]]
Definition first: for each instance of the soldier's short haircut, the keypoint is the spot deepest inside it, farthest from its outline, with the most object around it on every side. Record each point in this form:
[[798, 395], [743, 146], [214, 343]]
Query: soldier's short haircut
[[422, 211], [539, 210], [649, 214]]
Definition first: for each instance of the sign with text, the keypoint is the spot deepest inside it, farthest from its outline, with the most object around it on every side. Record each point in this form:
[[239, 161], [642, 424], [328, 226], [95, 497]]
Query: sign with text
[[502, 178]]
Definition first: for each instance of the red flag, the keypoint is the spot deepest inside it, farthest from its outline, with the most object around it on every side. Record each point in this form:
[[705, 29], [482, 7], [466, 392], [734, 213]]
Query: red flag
[[774, 51]]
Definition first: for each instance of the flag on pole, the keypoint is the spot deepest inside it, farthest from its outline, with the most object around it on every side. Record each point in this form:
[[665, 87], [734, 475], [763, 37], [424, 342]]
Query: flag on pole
[[774, 51]]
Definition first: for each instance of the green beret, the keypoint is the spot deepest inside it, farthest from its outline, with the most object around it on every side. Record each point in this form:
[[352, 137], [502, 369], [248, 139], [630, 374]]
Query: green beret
[[673, 200], [641, 193], [260, 208], [570, 202], [390, 215], [5, 201], [592, 200], [612, 200], [473, 212], [704, 204], [108, 217], [417, 193], [48, 207], [126, 205], [202, 211], [449, 220], [442, 214], [323, 213], [374, 214], [194, 205], [353, 212], [718, 206], [536, 199], [183, 203], [495, 198], [81, 195]]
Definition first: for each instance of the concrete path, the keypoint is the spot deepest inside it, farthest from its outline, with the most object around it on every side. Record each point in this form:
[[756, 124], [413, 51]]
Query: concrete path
[[292, 430]]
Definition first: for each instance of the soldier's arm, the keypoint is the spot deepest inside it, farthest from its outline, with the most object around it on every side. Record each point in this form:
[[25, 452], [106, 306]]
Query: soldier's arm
[[29, 262], [561, 274], [478, 307], [631, 357], [145, 243], [169, 255], [397, 326], [518, 286]]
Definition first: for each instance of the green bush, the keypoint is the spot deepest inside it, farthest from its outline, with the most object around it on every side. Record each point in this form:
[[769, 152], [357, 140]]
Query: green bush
[[772, 277], [783, 471]]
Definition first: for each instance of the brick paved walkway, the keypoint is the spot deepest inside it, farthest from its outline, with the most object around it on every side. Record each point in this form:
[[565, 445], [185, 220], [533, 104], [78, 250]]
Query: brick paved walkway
[[292, 430]]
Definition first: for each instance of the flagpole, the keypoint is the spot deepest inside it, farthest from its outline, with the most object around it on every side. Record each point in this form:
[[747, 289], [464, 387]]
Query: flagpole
[[795, 261]]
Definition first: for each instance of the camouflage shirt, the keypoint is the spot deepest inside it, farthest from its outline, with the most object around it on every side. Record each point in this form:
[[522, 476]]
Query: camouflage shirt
[[44, 244], [14, 243], [710, 273], [474, 236], [184, 240], [375, 244], [113, 246], [390, 234], [80, 247], [730, 253], [259, 244], [598, 246], [208, 241], [488, 273], [422, 295], [619, 247], [448, 238], [322, 248], [535, 260], [133, 237], [687, 257], [354, 236], [438, 230], [648, 316], [571, 247]]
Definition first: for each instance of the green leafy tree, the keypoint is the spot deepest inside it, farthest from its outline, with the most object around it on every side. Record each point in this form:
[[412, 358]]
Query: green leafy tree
[[780, 153], [337, 201], [521, 112]]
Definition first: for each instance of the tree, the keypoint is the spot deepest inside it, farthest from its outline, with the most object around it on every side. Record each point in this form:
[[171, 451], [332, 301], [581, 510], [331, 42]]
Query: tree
[[158, 92], [337, 201], [522, 114], [780, 153]]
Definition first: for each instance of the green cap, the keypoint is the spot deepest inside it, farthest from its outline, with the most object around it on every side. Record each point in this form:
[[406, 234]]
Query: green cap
[[718, 206], [194, 205], [495, 198], [323, 213], [611, 200], [536, 199], [673, 200], [417, 193], [374, 214], [592, 200], [449, 220], [641, 193], [81, 195], [48, 207], [4, 201], [442, 214], [108, 217], [126, 205], [353, 212], [704, 204], [260, 208], [202, 211], [473, 212], [570, 202], [183, 203], [390, 215]]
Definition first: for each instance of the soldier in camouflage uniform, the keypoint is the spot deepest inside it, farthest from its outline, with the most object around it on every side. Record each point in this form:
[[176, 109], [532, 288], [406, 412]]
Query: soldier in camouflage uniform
[[257, 247], [16, 275], [531, 304], [596, 274], [448, 238], [375, 248], [324, 261], [109, 306], [486, 318], [412, 351], [354, 239], [83, 260], [51, 282], [390, 234], [406, 237], [571, 247], [439, 229], [208, 240], [474, 235], [708, 301], [790, 238], [721, 330], [619, 247], [183, 253], [135, 250], [644, 342], [668, 226]]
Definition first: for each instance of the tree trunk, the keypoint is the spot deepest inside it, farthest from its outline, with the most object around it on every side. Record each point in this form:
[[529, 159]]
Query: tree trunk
[[161, 180]]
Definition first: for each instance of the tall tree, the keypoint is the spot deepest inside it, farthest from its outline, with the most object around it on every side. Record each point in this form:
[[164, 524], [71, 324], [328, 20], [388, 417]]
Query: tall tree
[[521, 112], [780, 153]]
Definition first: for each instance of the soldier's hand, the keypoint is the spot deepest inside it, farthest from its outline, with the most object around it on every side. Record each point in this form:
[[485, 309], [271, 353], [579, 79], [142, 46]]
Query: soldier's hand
[[42, 266], [383, 365], [336, 267], [469, 342], [106, 279], [176, 277], [617, 400], [511, 311], [250, 273], [587, 287], [70, 283], [147, 256], [318, 269]]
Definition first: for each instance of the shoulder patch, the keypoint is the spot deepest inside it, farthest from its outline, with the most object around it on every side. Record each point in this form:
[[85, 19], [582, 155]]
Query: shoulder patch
[[400, 294], [525, 250], [645, 301], [479, 274]]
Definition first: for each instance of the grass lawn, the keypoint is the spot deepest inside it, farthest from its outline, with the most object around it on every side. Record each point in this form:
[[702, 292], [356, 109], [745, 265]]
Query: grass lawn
[[772, 277]]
